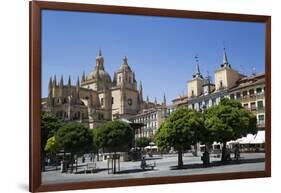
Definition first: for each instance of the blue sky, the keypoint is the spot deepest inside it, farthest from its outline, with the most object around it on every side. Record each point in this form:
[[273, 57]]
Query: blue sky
[[160, 50]]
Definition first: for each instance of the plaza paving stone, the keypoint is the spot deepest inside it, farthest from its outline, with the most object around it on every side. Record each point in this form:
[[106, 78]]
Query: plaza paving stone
[[165, 166]]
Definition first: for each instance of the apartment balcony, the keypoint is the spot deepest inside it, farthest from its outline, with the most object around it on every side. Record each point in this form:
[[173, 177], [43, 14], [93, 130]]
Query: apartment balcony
[[253, 97]]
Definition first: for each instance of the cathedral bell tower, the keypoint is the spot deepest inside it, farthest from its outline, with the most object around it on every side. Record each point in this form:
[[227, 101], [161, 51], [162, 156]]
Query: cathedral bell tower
[[125, 76]]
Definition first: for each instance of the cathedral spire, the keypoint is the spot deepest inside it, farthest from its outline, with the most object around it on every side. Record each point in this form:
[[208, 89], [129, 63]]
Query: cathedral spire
[[83, 77], [155, 100], [50, 82], [99, 61], [164, 99], [69, 81], [61, 81], [55, 81], [100, 54], [147, 99], [50, 87]]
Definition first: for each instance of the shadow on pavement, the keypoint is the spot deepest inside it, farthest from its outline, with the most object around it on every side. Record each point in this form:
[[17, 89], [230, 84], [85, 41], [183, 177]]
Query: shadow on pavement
[[153, 158], [219, 163], [95, 171], [134, 171]]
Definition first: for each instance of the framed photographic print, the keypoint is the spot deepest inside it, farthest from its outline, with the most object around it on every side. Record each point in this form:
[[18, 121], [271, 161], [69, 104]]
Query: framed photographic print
[[124, 96]]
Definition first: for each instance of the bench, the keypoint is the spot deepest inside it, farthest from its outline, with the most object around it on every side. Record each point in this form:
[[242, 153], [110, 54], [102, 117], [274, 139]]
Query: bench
[[90, 167], [149, 165]]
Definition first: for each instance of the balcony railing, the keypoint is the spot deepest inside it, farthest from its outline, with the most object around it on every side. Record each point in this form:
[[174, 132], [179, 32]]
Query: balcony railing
[[251, 97]]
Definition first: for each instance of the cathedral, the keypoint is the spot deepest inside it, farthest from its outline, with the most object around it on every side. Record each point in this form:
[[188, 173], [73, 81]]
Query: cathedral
[[97, 98]]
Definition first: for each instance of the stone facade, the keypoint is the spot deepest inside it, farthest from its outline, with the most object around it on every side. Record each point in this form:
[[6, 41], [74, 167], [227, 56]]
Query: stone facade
[[250, 92], [151, 119], [202, 93], [97, 98]]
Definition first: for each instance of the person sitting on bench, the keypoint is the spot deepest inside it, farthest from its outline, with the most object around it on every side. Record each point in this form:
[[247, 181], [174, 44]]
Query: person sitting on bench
[[144, 165]]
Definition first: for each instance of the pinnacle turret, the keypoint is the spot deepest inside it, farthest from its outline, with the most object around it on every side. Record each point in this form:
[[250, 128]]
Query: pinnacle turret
[[69, 81], [61, 81]]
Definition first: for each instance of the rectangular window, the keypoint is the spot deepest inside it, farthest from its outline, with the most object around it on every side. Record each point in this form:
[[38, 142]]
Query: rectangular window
[[101, 101], [213, 101], [244, 93], [238, 95], [246, 106], [260, 105], [112, 100], [253, 106], [261, 119], [192, 106], [232, 96], [252, 92], [258, 90]]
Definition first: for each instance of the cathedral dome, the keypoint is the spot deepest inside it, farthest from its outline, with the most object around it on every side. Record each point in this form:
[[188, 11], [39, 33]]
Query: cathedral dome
[[99, 74]]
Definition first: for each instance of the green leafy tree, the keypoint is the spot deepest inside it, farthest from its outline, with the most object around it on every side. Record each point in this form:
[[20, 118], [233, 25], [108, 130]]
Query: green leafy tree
[[115, 136], [74, 138], [229, 121], [49, 126], [51, 145], [142, 142], [180, 130], [52, 148]]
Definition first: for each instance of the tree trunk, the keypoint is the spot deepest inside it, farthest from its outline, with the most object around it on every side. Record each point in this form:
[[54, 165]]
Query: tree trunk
[[43, 155], [114, 163], [71, 160], [224, 156], [180, 162]]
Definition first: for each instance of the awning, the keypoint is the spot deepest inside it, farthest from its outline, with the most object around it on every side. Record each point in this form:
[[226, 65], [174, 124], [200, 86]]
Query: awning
[[125, 120], [258, 138], [151, 147]]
